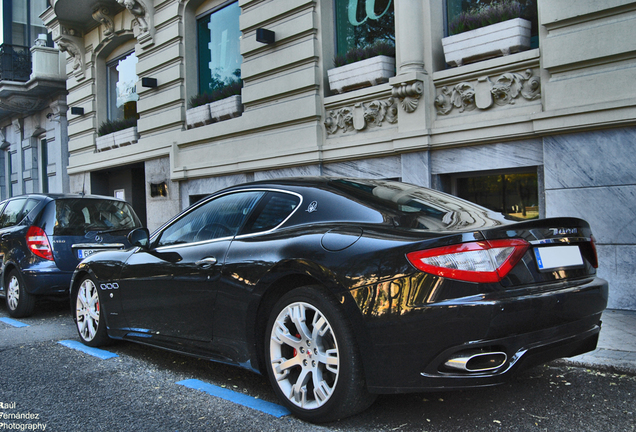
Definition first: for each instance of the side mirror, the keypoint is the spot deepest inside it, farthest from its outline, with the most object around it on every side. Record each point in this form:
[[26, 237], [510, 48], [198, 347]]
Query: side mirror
[[139, 237]]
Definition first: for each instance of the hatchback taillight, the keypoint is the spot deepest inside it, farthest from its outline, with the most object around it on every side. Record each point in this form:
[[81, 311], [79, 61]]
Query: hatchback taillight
[[594, 257], [38, 243], [484, 261]]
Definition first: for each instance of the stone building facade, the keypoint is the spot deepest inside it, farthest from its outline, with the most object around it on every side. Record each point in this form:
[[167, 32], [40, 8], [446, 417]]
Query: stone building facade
[[562, 110], [33, 141]]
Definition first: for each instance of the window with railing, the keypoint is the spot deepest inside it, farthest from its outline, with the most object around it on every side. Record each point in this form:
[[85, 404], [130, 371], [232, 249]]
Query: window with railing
[[15, 63], [22, 25]]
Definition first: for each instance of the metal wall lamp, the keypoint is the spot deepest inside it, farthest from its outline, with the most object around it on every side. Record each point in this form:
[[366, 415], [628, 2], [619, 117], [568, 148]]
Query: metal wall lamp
[[265, 36], [149, 82]]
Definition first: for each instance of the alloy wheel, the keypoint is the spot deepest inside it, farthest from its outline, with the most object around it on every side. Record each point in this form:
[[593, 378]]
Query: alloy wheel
[[13, 293], [304, 355], [87, 310]]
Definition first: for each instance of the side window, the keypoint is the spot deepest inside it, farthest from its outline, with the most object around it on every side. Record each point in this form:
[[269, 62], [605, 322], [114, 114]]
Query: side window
[[217, 218], [12, 212], [272, 211], [30, 205]]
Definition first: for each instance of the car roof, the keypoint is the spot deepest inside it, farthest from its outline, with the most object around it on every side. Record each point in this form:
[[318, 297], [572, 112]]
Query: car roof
[[56, 196], [321, 182]]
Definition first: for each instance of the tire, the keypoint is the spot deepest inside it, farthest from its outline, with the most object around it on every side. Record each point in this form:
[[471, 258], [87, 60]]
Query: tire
[[20, 303], [88, 314], [318, 376]]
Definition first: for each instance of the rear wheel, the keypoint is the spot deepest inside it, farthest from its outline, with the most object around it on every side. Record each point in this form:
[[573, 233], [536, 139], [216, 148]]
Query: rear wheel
[[312, 358], [19, 302], [88, 314]]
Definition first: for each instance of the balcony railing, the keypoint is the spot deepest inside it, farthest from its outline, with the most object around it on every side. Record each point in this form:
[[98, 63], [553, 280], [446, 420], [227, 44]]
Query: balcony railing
[[15, 61]]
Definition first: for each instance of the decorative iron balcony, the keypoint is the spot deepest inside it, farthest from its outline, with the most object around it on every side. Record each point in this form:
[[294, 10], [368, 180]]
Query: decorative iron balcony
[[15, 61]]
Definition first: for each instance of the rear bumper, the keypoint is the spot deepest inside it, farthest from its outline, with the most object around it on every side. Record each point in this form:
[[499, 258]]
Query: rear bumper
[[530, 329], [46, 279]]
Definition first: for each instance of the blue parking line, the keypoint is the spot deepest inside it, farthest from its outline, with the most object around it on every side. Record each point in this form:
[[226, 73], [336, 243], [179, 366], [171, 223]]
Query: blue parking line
[[239, 398], [95, 352], [13, 322]]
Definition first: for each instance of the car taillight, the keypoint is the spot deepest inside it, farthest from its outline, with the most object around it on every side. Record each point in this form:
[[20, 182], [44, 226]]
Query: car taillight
[[38, 243], [484, 261], [594, 258]]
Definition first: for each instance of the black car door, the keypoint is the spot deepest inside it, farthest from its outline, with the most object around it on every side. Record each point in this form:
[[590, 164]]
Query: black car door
[[169, 290]]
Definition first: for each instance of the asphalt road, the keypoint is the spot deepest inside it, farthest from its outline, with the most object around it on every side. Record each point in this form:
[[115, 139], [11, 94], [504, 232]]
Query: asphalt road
[[69, 390]]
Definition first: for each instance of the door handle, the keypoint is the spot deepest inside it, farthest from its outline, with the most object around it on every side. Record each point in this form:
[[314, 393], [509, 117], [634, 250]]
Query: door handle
[[206, 262]]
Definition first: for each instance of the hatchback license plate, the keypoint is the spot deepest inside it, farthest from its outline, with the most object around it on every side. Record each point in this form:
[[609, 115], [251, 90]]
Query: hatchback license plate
[[549, 258], [83, 253]]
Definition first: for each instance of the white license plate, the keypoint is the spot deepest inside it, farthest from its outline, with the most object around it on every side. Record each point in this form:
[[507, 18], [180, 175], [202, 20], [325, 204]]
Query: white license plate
[[555, 257], [83, 253]]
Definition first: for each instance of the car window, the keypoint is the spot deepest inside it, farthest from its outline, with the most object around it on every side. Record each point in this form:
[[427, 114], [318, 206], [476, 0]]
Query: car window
[[77, 216], [12, 213], [30, 205], [420, 208], [216, 218], [271, 212]]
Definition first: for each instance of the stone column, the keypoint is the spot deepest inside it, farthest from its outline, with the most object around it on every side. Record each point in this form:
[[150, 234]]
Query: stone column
[[409, 36], [58, 128], [410, 86]]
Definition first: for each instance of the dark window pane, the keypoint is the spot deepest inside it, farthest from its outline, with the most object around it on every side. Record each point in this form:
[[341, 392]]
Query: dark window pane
[[513, 194]]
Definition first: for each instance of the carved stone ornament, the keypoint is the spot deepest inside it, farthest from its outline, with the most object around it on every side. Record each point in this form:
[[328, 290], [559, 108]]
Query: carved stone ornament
[[103, 15], [362, 115], [22, 104], [409, 95], [484, 93], [143, 13], [70, 41], [17, 126]]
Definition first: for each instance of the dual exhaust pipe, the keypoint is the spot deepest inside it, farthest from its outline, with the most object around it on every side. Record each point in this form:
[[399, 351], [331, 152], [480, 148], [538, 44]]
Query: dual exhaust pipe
[[477, 361]]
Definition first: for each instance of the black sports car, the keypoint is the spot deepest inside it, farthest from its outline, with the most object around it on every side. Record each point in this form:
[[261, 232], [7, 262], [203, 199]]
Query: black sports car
[[340, 289]]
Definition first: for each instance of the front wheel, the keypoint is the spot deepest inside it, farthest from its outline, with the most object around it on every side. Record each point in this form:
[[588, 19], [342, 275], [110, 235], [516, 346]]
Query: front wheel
[[20, 303], [88, 315], [312, 358]]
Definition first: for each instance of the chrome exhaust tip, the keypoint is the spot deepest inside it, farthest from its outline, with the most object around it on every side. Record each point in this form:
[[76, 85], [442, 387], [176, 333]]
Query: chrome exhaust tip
[[477, 361]]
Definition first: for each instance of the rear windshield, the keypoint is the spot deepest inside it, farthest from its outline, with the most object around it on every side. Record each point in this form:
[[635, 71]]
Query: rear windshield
[[77, 216], [420, 208]]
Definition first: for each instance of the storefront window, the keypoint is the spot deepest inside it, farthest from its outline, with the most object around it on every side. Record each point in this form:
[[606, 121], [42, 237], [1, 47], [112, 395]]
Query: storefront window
[[512, 194], [219, 50], [122, 88], [469, 14], [360, 23]]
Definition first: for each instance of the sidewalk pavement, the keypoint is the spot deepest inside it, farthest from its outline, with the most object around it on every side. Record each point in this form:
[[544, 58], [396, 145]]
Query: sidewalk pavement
[[616, 349]]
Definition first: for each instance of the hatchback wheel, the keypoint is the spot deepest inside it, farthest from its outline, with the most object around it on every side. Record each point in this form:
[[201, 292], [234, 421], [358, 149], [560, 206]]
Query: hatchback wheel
[[19, 302], [312, 357], [88, 315]]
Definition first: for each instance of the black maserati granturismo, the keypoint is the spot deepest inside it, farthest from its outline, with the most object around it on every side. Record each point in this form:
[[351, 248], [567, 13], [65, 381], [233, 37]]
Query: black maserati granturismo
[[341, 289]]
